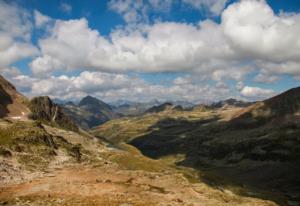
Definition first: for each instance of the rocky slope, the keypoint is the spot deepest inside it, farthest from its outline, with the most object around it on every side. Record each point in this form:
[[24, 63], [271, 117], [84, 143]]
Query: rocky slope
[[43, 109]]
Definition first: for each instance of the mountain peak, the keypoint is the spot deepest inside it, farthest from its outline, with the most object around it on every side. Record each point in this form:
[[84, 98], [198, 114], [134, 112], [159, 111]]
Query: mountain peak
[[88, 100]]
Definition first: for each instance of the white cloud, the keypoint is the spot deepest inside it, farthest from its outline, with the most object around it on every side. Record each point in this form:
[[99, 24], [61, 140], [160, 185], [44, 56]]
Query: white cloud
[[131, 10], [249, 34], [214, 7], [161, 47], [111, 87], [256, 32], [15, 33], [256, 92], [9, 72], [264, 77], [161, 5], [67, 8], [239, 85], [40, 20], [277, 68]]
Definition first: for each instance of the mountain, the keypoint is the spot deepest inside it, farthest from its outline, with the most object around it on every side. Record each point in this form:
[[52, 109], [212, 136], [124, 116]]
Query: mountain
[[12, 103], [163, 107], [97, 106], [255, 148], [183, 104], [281, 109], [230, 102], [130, 108], [89, 112]]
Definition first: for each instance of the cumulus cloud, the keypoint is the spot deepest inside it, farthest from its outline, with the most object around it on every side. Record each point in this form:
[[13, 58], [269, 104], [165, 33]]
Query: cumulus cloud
[[156, 48], [264, 77], [256, 32], [40, 20], [160, 5], [214, 7], [15, 33], [111, 87], [131, 10], [9, 72], [249, 35], [256, 92]]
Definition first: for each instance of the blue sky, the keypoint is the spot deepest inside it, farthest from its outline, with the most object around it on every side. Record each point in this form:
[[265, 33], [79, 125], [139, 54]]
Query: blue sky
[[152, 49]]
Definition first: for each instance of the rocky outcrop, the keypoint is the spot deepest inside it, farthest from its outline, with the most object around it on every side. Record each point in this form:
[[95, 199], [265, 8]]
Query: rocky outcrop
[[43, 109]]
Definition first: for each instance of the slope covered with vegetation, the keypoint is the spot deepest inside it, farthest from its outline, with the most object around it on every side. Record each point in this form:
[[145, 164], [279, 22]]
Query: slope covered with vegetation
[[227, 146]]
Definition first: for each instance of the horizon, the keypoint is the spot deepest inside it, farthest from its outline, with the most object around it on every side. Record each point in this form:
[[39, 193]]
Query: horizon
[[140, 51]]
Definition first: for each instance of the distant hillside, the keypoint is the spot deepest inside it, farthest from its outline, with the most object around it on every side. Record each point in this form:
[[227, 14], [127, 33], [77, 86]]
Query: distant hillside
[[130, 108], [89, 112], [280, 109], [163, 107], [230, 102], [12, 103]]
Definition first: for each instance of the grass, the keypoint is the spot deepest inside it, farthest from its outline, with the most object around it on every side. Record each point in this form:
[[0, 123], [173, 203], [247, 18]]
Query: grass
[[33, 146], [126, 129], [20, 130]]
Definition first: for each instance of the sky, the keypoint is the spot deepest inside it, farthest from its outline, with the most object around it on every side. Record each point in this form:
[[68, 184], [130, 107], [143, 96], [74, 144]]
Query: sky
[[140, 50]]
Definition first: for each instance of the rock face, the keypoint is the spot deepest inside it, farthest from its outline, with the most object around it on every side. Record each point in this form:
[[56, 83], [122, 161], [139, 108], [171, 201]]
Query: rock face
[[12, 103], [44, 109], [90, 112]]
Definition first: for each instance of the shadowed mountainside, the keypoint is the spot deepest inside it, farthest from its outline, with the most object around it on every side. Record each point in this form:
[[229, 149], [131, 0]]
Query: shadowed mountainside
[[224, 144], [89, 112], [281, 109], [163, 107]]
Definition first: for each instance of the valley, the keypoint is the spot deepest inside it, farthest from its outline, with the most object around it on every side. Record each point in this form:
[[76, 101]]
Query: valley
[[168, 155]]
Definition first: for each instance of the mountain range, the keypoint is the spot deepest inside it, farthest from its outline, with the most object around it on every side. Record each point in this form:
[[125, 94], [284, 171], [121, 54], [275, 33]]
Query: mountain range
[[227, 153], [248, 145]]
